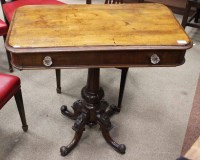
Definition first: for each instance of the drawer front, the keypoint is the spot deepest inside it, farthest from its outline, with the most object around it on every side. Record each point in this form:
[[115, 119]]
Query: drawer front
[[99, 59]]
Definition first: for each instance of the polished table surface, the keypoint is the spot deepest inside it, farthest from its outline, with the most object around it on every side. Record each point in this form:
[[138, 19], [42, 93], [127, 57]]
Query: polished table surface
[[94, 25], [95, 36], [75, 35]]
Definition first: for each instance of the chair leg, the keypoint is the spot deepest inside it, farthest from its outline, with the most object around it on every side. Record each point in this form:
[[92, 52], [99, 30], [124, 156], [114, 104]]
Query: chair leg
[[122, 85], [20, 107], [186, 14], [9, 62], [196, 20], [88, 1], [8, 57], [58, 75]]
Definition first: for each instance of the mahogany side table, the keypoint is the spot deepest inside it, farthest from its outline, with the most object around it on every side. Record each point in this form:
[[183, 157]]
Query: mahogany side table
[[95, 36]]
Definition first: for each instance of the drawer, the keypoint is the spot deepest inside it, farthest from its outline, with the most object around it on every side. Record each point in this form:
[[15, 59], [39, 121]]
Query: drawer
[[124, 58]]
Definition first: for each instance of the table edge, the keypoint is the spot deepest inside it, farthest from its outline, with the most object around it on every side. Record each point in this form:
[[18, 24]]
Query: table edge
[[93, 48]]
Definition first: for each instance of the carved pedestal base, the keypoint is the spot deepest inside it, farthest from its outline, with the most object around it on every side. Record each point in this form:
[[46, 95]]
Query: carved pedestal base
[[90, 111], [82, 115]]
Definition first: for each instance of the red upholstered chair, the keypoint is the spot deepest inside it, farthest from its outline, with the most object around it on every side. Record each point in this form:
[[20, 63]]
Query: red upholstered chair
[[10, 7], [9, 87], [3, 28], [3, 32]]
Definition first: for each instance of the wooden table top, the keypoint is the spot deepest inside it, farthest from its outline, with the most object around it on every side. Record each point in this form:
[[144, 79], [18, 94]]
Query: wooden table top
[[82, 26]]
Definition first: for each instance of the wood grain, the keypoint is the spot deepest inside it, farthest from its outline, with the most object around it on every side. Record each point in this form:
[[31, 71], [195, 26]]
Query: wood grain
[[96, 36], [95, 25]]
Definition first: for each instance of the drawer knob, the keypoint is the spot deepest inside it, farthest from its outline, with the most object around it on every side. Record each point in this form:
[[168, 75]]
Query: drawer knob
[[47, 61], [155, 59]]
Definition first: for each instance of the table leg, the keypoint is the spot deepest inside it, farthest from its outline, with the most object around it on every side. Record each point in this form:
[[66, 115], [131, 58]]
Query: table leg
[[58, 74], [79, 127], [88, 1], [90, 111], [113, 108]]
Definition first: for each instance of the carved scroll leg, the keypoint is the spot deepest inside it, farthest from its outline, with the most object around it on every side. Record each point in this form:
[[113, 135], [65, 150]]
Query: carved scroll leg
[[64, 150], [120, 148], [105, 126], [68, 113], [77, 107], [112, 110], [79, 127]]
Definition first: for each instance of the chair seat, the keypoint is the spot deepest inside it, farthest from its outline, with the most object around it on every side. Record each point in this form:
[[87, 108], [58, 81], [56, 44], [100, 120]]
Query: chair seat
[[9, 85], [9, 8], [3, 28]]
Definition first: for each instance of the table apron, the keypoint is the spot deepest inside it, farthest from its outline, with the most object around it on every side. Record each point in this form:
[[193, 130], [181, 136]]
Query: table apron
[[100, 59]]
